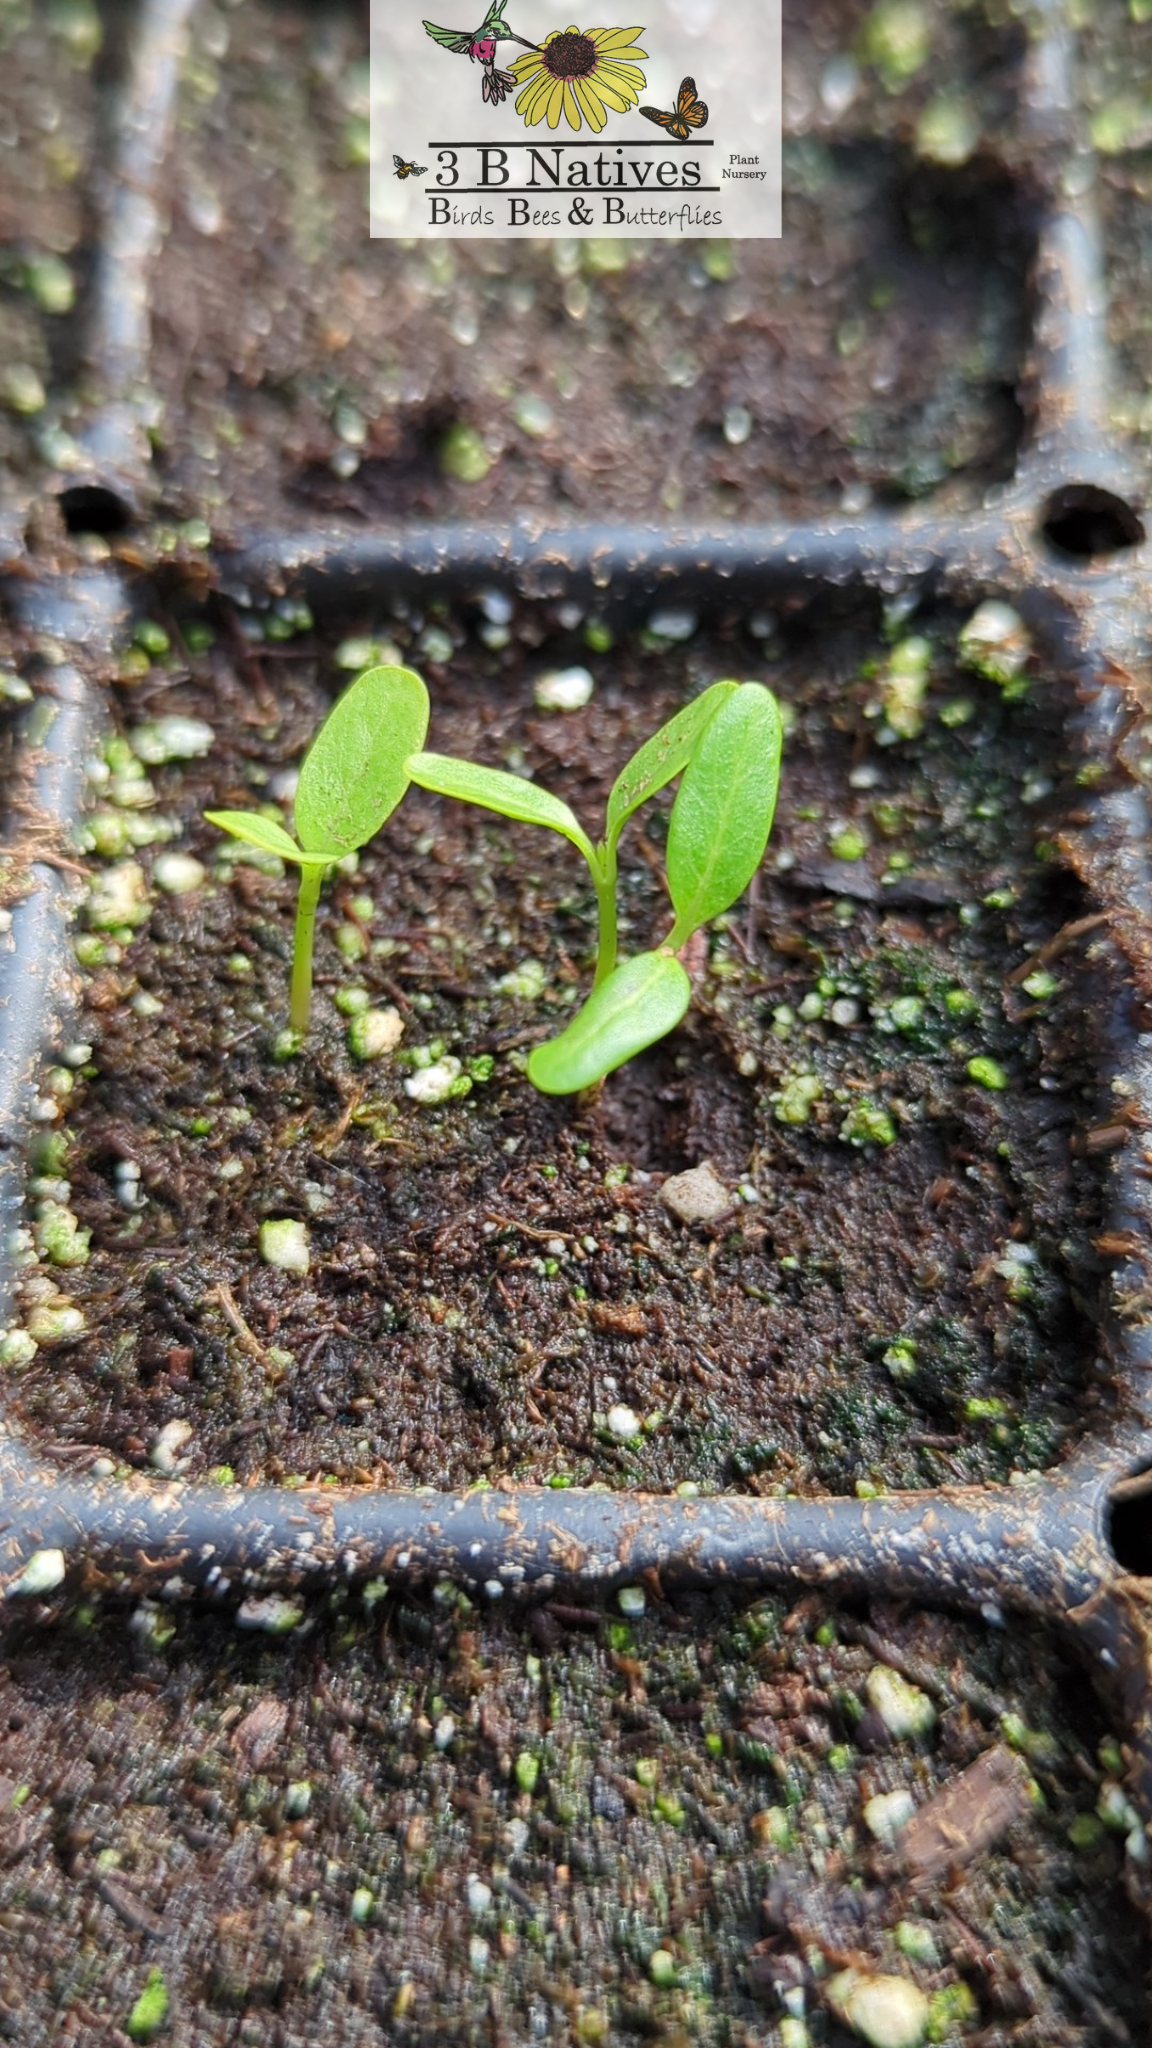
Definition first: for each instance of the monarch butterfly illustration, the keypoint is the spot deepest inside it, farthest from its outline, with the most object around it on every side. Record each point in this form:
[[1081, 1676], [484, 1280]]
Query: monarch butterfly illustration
[[404, 170], [690, 112]]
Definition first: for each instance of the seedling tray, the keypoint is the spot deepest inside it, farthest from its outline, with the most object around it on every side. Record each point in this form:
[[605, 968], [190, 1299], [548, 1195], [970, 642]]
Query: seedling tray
[[1063, 542]]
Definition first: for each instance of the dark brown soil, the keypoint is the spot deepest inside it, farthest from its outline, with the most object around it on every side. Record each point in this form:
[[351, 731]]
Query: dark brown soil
[[524, 1815], [491, 1276], [305, 370]]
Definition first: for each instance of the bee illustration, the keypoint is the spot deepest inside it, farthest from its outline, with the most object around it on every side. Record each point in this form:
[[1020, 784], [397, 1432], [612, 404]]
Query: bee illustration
[[690, 113], [404, 170]]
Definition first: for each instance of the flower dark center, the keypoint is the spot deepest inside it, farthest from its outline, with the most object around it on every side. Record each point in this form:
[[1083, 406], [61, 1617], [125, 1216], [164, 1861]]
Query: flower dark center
[[570, 56]]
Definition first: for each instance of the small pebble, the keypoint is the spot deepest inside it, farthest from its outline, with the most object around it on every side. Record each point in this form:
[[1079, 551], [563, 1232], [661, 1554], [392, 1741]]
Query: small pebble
[[623, 1422], [698, 1196], [479, 1896], [444, 1732], [631, 1601]]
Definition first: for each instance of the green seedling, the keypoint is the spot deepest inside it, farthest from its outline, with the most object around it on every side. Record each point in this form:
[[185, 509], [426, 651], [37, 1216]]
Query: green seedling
[[726, 748], [352, 778]]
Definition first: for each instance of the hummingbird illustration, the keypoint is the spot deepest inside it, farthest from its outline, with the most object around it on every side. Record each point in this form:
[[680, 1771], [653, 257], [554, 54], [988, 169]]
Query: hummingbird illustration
[[479, 45]]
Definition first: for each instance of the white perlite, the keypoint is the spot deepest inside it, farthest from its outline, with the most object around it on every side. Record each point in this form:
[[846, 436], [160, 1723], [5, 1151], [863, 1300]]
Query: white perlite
[[273, 1615], [623, 1422], [118, 896], [903, 1708], [563, 689], [165, 1453], [178, 874], [435, 1083], [527, 981], [43, 1572], [170, 739], [887, 1813], [374, 1033], [672, 623], [284, 1243], [887, 2012], [995, 642], [698, 1196]]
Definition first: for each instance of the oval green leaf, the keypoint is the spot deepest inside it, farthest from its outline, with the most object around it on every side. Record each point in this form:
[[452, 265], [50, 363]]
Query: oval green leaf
[[663, 757], [724, 808], [511, 795], [258, 831], [640, 1001], [355, 772]]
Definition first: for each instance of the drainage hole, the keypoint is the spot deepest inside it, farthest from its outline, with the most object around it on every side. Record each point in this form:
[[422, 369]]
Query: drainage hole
[[93, 508], [1130, 1525], [1085, 521]]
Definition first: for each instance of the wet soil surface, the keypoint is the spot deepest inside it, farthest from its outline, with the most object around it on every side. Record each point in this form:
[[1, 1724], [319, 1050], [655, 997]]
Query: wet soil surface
[[304, 370], [414, 1826], [902, 1288]]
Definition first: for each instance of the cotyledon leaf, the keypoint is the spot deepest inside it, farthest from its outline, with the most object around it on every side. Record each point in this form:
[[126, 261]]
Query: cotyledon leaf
[[724, 808], [640, 1001], [511, 795], [265, 833], [355, 772], [662, 757]]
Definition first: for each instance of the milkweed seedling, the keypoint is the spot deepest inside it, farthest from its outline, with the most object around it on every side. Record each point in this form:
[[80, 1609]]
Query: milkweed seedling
[[352, 778], [726, 747]]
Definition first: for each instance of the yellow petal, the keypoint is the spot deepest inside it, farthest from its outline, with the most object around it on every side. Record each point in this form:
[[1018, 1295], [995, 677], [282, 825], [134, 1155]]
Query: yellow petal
[[571, 105], [618, 101], [533, 102], [526, 67], [609, 78], [616, 38], [593, 111], [555, 104]]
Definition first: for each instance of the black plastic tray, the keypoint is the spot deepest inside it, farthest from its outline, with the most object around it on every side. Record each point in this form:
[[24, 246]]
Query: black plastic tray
[[1065, 544]]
